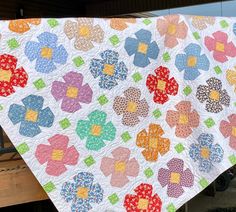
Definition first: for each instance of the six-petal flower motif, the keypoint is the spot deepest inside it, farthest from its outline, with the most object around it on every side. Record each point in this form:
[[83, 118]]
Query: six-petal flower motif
[[32, 116], [175, 177], [96, 130], [23, 25], [231, 77], [142, 47], [192, 61], [46, 52], [109, 69], [162, 85], [143, 200], [205, 152], [201, 22], [152, 142], [121, 23], [120, 167], [57, 155], [72, 92], [213, 94], [10, 75], [82, 192]]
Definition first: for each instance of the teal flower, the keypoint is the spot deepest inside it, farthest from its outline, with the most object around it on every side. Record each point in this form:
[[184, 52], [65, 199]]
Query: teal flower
[[96, 130]]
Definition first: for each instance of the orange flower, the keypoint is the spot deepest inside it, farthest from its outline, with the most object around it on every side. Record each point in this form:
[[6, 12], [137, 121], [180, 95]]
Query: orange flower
[[23, 25], [121, 23], [153, 142]]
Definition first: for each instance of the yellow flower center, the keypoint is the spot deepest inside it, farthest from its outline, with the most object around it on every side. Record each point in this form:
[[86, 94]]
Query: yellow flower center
[[161, 85], [143, 204], [192, 61], [84, 31], [153, 142], [205, 153], [72, 92], [82, 192], [214, 95], [57, 154], [132, 107], [109, 69], [5, 75], [120, 166], [183, 119], [142, 48], [46, 53], [175, 177], [96, 130], [234, 131], [220, 47], [171, 29], [31, 115]]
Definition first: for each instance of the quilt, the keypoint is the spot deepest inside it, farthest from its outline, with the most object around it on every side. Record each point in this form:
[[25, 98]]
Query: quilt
[[121, 114]]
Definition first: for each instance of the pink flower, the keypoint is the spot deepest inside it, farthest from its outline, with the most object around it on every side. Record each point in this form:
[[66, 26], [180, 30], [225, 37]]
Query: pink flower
[[119, 167], [172, 29], [228, 129], [220, 46], [57, 155]]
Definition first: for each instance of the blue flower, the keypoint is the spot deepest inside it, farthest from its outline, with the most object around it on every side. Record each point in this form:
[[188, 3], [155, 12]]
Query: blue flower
[[31, 115], [82, 192], [234, 28], [109, 69], [192, 62], [142, 48], [46, 52], [205, 152]]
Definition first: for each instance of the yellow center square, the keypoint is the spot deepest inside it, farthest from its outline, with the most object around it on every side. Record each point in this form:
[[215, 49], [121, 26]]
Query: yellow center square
[[205, 153], [57, 154], [132, 107], [142, 48], [143, 204], [109, 69], [84, 31], [183, 119], [31, 116], [96, 130], [192, 61], [171, 29], [175, 177], [72, 92], [5, 75], [161, 85], [153, 142], [234, 131], [220, 47], [46, 53], [82, 192], [215, 95], [120, 166]]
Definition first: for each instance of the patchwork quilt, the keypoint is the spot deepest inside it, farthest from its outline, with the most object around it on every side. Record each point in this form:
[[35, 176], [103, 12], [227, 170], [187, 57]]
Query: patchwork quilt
[[121, 114]]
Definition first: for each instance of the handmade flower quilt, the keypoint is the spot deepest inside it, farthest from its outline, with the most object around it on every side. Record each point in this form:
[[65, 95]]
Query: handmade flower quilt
[[133, 115]]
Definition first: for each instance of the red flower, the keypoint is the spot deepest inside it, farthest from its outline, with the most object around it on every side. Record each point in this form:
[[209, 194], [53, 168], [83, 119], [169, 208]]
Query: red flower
[[143, 200], [10, 76], [161, 85]]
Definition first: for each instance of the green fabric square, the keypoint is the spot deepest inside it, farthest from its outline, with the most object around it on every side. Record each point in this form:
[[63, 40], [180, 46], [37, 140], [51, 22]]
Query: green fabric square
[[78, 61], [148, 172], [48, 187], [1, 107], [13, 44], [147, 21], [125, 136], [218, 70], [203, 183], [157, 113], [196, 35], [64, 123], [113, 198], [102, 100], [187, 90], [39, 84], [179, 148], [171, 208], [89, 161], [53, 22], [232, 159], [137, 77], [22, 148], [224, 24], [114, 40], [235, 104], [166, 57], [209, 122]]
